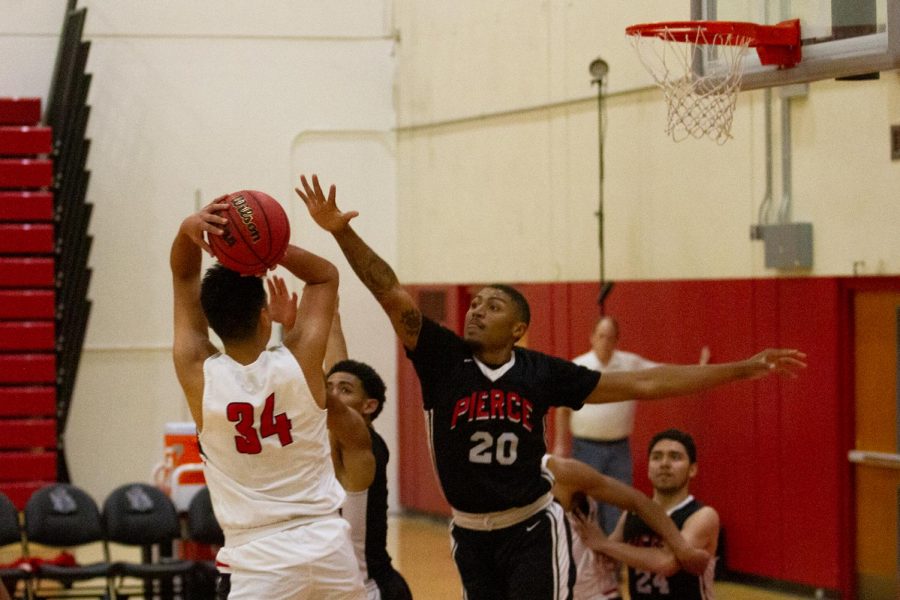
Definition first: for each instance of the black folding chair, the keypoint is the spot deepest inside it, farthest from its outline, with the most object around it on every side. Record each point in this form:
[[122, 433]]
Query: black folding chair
[[139, 514], [203, 528], [61, 515], [11, 533]]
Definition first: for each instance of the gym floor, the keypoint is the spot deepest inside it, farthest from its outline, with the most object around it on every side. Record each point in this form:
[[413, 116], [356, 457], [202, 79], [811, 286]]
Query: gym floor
[[420, 547]]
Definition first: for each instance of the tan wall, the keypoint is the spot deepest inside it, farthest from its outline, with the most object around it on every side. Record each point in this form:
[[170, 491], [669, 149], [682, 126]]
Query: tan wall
[[498, 156]]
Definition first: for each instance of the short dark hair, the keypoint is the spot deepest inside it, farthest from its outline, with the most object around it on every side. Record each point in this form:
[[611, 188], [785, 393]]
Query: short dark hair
[[373, 384], [676, 435], [517, 298], [231, 302]]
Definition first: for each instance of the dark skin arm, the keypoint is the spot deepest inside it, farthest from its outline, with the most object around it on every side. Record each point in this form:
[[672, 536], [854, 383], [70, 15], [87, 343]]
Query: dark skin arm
[[677, 380], [378, 277], [660, 382], [351, 444]]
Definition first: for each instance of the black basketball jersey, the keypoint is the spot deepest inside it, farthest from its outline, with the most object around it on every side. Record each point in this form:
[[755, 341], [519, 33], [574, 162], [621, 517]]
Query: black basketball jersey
[[377, 558], [487, 437], [647, 585]]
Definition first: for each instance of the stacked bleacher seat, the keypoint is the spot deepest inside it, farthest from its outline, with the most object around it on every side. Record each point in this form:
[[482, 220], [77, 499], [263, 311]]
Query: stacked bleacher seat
[[44, 275]]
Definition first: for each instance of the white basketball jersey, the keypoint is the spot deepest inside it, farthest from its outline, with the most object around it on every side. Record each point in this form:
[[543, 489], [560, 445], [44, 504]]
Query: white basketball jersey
[[266, 454]]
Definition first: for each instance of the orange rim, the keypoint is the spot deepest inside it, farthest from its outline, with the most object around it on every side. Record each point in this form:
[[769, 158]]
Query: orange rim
[[776, 44]]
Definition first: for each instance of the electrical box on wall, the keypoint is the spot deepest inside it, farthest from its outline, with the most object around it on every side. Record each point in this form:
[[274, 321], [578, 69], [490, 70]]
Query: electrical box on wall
[[788, 245]]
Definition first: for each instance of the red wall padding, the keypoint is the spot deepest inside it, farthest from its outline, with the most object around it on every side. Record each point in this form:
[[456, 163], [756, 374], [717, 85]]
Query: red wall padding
[[769, 453], [20, 111], [27, 466], [30, 272], [27, 304], [27, 433], [22, 401], [26, 238], [27, 368], [26, 206], [26, 173], [772, 453], [20, 491], [25, 140]]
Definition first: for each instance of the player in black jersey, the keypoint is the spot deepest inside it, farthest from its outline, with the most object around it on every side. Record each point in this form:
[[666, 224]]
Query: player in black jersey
[[360, 388], [485, 401], [653, 571]]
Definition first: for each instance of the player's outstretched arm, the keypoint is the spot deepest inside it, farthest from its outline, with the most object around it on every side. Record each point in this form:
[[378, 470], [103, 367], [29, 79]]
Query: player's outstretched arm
[[371, 269], [677, 380], [572, 475], [191, 345], [351, 446], [308, 336]]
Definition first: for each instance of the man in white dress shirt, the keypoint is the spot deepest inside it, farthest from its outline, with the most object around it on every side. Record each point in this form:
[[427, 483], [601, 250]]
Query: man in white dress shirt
[[600, 432]]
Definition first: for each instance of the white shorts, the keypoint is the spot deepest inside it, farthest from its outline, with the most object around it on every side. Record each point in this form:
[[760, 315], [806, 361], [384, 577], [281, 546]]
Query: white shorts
[[311, 561]]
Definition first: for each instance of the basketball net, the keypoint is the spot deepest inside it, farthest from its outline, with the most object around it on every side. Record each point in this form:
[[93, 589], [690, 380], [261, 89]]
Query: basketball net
[[698, 104]]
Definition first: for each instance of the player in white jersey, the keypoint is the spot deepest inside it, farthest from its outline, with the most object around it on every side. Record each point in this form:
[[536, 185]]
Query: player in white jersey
[[261, 418]]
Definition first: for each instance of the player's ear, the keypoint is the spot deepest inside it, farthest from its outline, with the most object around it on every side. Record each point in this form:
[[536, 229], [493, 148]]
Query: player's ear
[[369, 406], [519, 329], [692, 470]]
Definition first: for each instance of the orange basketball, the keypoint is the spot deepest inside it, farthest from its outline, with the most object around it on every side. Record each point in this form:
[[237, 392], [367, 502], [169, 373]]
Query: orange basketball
[[256, 235]]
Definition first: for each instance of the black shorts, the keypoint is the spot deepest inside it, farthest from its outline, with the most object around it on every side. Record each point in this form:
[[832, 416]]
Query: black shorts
[[392, 586], [531, 560]]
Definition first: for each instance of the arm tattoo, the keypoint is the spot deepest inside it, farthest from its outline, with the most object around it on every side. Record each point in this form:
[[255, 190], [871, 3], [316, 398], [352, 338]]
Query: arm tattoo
[[371, 269], [412, 322], [380, 279], [377, 275]]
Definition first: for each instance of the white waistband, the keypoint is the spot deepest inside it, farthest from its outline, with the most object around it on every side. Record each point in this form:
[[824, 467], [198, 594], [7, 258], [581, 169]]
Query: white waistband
[[237, 537], [503, 518]]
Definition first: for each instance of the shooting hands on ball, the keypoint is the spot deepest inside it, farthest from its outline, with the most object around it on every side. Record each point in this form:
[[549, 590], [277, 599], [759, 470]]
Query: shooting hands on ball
[[207, 220]]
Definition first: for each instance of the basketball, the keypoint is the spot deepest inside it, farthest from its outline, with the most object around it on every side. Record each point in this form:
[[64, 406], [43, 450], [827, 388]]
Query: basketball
[[256, 235]]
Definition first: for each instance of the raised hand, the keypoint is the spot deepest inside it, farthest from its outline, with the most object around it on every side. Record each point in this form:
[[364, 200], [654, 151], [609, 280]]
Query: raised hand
[[282, 305], [783, 362], [322, 209]]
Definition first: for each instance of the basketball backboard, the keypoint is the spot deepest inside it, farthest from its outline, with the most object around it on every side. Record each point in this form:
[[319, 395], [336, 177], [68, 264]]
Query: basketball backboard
[[840, 38]]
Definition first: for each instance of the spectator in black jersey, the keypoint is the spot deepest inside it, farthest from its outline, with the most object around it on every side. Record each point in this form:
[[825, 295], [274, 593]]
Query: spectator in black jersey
[[653, 571], [485, 401], [358, 386]]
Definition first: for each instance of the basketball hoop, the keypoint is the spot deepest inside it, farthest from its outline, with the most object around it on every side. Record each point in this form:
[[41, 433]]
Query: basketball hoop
[[700, 103]]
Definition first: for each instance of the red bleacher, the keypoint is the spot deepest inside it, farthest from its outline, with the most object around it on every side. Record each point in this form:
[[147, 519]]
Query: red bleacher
[[27, 304], [27, 272], [20, 111], [26, 206], [27, 401], [25, 140], [28, 365]]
